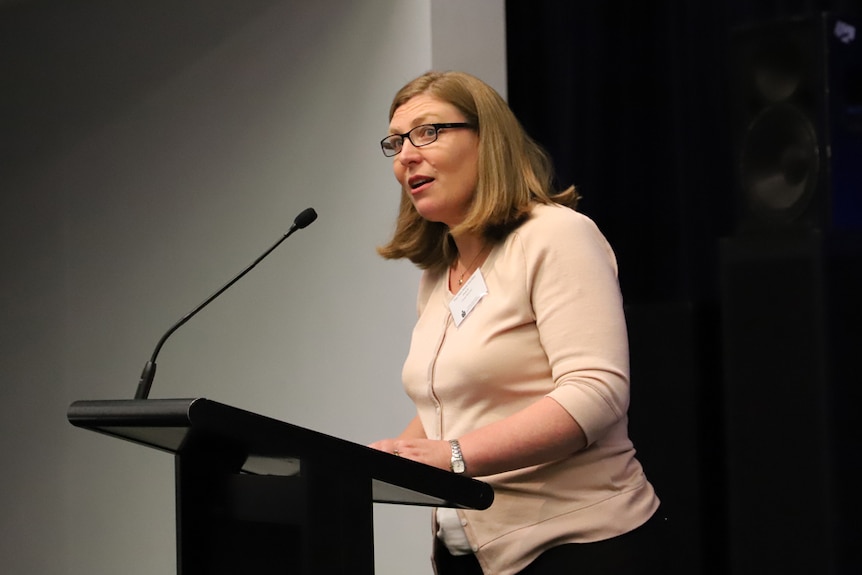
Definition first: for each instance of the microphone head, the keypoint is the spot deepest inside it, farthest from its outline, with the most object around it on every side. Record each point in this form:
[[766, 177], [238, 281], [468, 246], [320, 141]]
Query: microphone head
[[305, 218]]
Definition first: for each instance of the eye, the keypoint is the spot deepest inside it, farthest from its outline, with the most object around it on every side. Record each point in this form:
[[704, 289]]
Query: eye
[[391, 144], [427, 132]]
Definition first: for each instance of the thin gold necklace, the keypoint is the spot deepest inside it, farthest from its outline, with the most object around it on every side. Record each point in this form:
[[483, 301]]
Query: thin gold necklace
[[461, 277]]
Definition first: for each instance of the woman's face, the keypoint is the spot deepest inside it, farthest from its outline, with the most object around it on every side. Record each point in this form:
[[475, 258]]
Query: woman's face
[[439, 177]]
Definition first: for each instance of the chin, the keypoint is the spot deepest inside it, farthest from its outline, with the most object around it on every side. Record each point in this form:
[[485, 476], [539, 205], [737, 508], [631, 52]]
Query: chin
[[427, 212], [432, 212]]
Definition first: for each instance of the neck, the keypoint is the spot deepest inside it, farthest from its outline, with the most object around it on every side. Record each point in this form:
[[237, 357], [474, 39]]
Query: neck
[[471, 252], [469, 247]]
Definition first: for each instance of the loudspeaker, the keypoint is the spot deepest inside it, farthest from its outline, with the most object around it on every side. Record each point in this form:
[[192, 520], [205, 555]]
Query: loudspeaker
[[791, 317], [796, 90]]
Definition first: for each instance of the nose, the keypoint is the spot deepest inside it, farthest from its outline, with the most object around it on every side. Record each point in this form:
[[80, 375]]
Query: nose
[[409, 153]]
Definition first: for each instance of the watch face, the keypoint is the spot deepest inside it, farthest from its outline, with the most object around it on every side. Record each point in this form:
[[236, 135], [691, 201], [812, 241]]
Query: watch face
[[458, 466]]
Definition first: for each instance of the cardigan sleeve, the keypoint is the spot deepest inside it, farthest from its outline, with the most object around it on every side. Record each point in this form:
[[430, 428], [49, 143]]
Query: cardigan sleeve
[[575, 296]]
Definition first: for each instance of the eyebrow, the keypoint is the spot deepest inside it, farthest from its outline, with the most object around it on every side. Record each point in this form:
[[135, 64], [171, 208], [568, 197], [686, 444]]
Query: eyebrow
[[419, 121]]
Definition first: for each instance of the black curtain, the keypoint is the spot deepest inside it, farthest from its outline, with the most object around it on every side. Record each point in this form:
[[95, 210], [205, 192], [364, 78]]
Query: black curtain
[[631, 99]]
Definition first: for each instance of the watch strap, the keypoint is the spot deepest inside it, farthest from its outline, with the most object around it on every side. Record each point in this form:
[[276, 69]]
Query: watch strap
[[456, 464]]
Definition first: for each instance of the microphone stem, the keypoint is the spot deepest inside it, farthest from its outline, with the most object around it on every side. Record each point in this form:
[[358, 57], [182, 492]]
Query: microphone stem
[[149, 371]]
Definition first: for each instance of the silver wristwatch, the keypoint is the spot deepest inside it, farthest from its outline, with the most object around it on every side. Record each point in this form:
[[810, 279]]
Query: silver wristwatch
[[457, 462]]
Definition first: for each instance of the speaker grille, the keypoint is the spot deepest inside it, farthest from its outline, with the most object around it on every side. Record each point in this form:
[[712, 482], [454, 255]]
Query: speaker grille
[[797, 104]]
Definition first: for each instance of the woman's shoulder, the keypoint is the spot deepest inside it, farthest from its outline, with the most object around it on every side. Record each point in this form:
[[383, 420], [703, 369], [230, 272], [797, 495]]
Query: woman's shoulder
[[559, 230], [545, 218]]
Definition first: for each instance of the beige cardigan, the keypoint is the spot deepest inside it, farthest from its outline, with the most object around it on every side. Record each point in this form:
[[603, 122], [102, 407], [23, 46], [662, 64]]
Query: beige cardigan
[[552, 324]]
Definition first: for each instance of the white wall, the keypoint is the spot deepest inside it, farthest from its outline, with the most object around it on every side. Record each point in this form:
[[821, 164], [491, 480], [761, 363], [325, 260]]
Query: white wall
[[149, 154]]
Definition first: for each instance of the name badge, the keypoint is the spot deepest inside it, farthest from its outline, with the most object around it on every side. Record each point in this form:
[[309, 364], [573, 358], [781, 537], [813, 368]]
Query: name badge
[[467, 297]]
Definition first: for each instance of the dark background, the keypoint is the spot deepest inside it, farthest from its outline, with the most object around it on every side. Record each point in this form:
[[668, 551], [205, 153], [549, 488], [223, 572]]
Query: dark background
[[634, 101]]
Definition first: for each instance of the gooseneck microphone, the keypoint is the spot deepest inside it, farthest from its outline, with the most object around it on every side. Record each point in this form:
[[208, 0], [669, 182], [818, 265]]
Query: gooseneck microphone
[[304, 219]]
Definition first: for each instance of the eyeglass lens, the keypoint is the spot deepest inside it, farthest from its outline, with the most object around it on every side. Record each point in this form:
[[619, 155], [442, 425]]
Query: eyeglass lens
[[418, 136]]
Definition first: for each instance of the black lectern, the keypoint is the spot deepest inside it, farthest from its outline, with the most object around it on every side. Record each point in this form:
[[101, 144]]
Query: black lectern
[[258, 495]]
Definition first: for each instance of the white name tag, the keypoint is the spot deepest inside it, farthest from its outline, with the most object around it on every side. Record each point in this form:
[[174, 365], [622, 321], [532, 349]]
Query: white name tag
[[467, 297]]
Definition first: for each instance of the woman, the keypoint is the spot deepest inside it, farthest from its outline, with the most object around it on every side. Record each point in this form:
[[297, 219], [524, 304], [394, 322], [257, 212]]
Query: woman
[[518, 364]]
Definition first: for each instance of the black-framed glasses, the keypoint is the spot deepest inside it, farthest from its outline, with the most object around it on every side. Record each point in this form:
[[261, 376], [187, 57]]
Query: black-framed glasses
[[418, 136]]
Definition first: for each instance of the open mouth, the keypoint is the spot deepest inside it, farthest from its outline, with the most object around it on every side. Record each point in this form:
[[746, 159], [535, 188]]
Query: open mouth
[[419, 181]]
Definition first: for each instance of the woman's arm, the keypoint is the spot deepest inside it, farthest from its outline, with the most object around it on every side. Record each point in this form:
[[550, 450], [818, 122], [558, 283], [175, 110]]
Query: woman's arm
[[537, 434]]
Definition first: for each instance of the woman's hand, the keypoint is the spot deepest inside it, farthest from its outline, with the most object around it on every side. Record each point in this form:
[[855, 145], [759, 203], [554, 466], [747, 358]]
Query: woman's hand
[[427, 451], [413, 444]]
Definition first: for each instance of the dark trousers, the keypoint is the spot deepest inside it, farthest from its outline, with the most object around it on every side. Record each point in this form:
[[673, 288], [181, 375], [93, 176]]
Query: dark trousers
[[644, 551]]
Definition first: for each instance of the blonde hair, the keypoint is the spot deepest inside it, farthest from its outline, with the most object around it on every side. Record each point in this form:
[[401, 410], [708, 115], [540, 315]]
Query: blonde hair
[[514, 172]]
